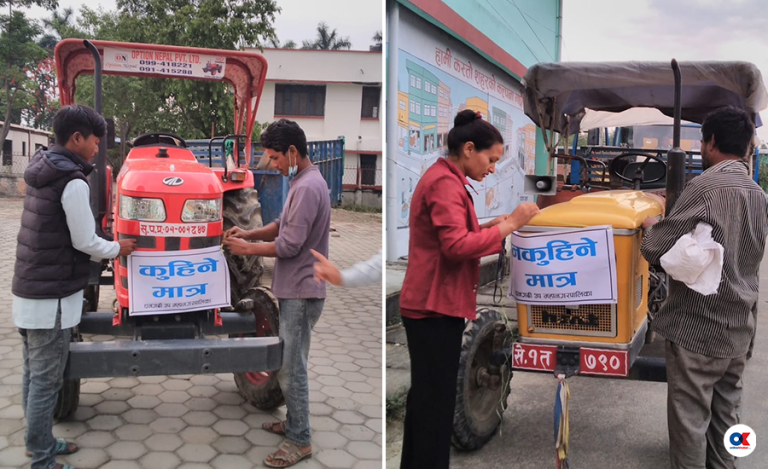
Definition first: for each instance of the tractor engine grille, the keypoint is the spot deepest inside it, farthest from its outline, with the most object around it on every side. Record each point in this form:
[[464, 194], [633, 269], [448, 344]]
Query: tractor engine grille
[[595, 320]]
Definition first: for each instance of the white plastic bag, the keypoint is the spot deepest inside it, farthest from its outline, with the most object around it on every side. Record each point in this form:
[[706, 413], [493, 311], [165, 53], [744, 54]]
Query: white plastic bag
[[696, 260]]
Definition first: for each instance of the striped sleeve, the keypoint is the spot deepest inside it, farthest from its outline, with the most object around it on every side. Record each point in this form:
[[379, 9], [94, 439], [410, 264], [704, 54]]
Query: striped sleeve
[[687, 213]]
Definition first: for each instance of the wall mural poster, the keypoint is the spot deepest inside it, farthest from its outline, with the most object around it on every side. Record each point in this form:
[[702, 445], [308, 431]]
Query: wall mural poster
[[429, 97]]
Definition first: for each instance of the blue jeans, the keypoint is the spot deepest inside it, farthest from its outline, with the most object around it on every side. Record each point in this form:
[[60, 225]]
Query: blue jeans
[[45, 357], [297, 318]]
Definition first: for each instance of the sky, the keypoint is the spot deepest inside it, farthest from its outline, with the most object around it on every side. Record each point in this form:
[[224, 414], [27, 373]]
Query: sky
[[357, 19], [659, 30]]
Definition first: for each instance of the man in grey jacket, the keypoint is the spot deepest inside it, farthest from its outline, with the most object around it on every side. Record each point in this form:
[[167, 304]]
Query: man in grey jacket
[[304, 225], [56, 243]]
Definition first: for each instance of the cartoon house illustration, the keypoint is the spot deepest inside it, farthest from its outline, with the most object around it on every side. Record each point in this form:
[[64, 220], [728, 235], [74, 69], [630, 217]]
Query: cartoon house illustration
[[479, 105], [526, 140], [422, 107], [444, 114], [402, 121], [503, 121]]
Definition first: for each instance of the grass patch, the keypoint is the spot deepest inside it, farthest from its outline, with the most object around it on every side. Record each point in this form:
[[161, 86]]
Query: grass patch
[[361, 209], [396, 405]]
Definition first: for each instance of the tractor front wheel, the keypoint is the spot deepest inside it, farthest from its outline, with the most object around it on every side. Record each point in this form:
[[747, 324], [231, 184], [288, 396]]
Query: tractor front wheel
[[261, 388], [69, 394], [242, 209], [482, 389]]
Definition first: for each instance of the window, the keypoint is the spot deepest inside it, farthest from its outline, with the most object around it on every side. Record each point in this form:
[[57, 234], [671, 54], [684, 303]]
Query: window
[[367, 170], [413, 81], [8, 153], [23, 148], [418, 82], [371, 100], [300, 100], [402, 105], [417, 108]]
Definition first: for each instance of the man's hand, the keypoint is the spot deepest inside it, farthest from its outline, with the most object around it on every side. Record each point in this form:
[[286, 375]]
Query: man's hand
[[127, 246], [238, 246], [649, 222], [325, 271], [236, 232]]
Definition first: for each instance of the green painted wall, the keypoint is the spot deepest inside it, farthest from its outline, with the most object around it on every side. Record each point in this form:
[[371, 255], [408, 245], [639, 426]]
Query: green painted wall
[[526, 29]]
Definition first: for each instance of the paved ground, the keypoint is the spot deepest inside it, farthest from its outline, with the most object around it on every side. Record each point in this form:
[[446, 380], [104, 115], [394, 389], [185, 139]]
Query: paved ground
[[196, 422], [614, 423]]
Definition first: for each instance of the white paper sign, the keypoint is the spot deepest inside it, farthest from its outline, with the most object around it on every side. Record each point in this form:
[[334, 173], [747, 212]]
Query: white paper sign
[[564, 267], [178, 64], [178, 281]]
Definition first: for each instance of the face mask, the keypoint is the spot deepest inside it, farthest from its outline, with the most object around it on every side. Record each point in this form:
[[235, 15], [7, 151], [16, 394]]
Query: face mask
[[293, 169]]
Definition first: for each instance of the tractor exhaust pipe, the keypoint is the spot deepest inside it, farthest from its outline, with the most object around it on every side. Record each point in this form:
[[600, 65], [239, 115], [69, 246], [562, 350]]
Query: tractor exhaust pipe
[[98, 190], [676, 156]]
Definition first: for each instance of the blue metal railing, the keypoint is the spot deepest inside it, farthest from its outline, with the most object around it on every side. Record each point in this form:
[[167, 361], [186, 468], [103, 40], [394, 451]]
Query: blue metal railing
[[327, 155]]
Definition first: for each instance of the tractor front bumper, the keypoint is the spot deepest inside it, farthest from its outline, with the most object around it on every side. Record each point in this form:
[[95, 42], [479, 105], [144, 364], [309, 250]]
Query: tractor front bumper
[[173, 357]]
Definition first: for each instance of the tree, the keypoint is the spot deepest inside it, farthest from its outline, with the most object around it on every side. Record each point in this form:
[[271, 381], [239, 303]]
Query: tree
[[275, 42], [55, 28], [19, 53], [377, 38], [327, 40]]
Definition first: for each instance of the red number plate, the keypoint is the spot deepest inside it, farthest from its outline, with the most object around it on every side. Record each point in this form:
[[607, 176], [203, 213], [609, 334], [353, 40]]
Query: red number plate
[[603, 362], [534, 357]]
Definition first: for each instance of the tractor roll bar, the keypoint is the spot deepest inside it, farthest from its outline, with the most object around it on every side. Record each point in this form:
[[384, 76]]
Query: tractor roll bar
[[98, 201]]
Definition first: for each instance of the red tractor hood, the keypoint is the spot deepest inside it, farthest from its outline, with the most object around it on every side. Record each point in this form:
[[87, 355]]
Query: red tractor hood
[[163, 176]]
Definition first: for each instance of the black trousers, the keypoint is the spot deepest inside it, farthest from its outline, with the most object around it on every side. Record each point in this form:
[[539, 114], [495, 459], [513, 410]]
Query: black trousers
[[434, 346]]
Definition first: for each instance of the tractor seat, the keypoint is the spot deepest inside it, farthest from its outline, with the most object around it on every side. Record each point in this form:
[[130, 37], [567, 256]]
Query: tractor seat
[[652, 171]]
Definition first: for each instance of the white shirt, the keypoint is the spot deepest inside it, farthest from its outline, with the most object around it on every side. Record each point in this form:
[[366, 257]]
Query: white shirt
[[41, 314], [362, 273]]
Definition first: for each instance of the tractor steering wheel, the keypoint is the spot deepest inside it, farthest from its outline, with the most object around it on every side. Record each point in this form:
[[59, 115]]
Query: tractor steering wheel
[[639, 175], [154, 138]]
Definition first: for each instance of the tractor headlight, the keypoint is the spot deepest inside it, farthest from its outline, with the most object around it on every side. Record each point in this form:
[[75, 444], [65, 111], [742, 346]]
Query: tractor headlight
[[201, 210], [138, 208]]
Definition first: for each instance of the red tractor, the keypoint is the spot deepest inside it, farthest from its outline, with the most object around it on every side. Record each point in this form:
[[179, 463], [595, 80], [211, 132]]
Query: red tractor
[[171, 203]]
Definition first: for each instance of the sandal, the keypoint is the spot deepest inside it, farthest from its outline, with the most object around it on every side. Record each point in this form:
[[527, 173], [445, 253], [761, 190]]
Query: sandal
[[291, 454], [278, 428], [63, 448]]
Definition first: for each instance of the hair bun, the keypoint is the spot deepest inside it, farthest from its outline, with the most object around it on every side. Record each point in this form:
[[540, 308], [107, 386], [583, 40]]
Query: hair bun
[[467, 116]]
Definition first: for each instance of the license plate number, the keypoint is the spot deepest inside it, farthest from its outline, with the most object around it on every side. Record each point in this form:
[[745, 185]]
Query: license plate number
[[173, 230], [534, 357], [603, 362]]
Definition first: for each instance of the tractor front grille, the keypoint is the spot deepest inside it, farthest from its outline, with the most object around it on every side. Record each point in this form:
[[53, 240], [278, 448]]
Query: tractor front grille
[[594, 320], [639, 292]]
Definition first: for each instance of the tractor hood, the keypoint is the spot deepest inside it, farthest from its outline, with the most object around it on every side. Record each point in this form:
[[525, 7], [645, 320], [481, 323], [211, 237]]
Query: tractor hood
[[168, 176], [622, 209]]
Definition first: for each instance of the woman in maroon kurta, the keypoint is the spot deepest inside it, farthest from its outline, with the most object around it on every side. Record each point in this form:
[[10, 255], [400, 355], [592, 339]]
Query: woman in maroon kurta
[[440, 287]]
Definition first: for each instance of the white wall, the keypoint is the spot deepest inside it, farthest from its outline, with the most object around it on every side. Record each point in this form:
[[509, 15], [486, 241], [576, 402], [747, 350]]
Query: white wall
[[323, 65], [29, 138]]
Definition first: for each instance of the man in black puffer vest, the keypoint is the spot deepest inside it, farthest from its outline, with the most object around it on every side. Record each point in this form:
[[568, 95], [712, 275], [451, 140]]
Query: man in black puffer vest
[[56, 243]]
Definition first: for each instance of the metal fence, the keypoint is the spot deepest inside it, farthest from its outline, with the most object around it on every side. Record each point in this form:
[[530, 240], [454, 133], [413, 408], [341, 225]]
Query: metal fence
[[14, 164], [357, 178]]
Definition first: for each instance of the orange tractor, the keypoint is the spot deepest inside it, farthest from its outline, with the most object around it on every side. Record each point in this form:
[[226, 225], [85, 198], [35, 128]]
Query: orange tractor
[[172, 204]]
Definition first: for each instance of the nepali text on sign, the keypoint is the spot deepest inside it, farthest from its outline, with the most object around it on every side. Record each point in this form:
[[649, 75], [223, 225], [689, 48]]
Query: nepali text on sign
[[178, 281], [567, 267]]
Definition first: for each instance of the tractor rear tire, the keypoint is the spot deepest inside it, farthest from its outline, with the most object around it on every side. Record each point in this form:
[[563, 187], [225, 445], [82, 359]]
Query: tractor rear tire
[[242, 209], [479, 408], [69, 394], [261, 389]]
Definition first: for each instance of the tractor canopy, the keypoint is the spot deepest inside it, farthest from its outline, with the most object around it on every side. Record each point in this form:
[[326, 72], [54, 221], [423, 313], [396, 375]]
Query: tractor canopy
[[560, 96], [245, 71]]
